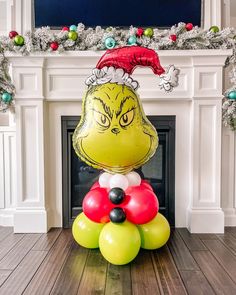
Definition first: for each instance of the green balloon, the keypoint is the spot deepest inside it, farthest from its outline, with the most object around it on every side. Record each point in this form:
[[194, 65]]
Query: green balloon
[[155, 233], [86, 232], [119, 242]]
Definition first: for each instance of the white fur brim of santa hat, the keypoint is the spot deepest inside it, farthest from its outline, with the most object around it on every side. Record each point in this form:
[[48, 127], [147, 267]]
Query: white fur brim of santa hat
[[117, 65]]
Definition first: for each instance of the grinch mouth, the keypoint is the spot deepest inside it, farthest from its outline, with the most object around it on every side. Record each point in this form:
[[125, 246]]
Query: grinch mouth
[[120, 169]]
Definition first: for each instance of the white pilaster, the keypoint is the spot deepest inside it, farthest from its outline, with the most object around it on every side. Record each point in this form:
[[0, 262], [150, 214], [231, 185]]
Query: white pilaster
[[30, 214]]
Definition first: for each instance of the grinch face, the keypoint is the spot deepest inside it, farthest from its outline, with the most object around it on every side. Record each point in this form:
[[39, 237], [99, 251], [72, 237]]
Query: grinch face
[[114, 133]]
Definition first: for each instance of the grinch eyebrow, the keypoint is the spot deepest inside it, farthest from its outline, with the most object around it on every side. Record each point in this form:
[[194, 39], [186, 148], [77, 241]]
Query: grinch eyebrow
[[106, 108], [122, 104]]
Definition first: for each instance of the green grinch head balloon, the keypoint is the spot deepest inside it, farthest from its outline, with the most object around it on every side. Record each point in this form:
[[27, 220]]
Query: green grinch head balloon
[[114, 134]]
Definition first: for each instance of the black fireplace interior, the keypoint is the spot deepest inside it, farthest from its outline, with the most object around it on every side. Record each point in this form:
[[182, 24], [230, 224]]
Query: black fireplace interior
[[78, 177]]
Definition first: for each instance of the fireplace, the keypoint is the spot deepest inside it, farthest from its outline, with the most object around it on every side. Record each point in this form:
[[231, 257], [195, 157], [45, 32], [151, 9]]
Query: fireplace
[[51, 86], [78, 177]]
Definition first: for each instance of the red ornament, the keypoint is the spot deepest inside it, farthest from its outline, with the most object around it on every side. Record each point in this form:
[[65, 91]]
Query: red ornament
[[54, 45], [173, 38], [13, 34], [65, 29], [139, 32], [189, 26]]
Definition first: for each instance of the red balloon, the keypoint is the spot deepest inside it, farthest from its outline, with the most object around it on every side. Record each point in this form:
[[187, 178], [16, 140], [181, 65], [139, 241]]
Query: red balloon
[[97, 206], [146, 185], [95, 185], [140, 205]]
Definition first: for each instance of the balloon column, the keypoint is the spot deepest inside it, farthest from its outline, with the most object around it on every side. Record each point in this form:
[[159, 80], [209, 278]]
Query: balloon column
[[120, 212]]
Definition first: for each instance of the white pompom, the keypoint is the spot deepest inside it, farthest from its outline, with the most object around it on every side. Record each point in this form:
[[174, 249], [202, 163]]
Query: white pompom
[[119, 180], [133, 178], [104, 179]]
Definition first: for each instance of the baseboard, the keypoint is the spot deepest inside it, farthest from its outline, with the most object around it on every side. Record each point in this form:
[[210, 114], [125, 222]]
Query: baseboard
[[30, 221], [230, 217], [7, 217], [206, 221]]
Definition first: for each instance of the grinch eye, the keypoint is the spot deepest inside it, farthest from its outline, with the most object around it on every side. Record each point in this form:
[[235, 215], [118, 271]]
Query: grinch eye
[[127, 118], [101, 119]]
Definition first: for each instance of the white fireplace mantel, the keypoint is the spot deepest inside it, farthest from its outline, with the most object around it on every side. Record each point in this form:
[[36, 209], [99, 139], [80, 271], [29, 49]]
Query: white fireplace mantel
[[49, 86]]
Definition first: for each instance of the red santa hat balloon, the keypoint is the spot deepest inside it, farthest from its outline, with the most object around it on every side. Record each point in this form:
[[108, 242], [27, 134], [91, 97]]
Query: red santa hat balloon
[[116, 66]]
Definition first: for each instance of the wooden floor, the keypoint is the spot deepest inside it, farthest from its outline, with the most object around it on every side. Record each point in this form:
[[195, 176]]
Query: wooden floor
[[54, 264]]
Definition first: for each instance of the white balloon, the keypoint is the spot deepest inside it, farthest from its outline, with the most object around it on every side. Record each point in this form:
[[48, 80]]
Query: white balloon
[[104, 179], [119, 180], [133, 178]]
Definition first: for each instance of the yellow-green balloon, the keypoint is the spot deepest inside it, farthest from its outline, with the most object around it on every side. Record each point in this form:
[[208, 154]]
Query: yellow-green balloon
[[155, 233], [119, 243], [86, 232]]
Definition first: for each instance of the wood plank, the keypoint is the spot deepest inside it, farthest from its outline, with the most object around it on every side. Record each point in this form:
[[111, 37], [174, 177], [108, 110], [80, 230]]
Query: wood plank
[[69, 279], [45, 277], [8, 243], [215, 274], [4, 274], [14, 257], [94, 277], [170, 281], [21, 276], [4, 232], [206, 236], [181, 254], [229, 241], [224, 257], [118, 280], [196, 283], [143, 276], [193, 242], [47, 240], [231, 230]]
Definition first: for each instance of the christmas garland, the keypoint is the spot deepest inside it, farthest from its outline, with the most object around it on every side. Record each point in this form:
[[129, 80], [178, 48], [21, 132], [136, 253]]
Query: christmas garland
[[75, 38]]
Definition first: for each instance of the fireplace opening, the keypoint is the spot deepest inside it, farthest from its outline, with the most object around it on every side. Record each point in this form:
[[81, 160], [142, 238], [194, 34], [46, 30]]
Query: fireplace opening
[[78, 177]]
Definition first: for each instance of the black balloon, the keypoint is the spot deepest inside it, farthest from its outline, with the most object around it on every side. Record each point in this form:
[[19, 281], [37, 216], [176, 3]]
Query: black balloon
[[116, 195], [117, 215]]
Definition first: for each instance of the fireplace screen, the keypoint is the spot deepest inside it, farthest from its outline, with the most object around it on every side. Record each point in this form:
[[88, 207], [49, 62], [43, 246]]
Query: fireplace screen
[[78, 177]]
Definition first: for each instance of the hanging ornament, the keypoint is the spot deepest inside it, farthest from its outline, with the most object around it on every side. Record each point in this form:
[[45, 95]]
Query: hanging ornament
[[54, 45], [13, 34], [189, 26], [73, 28], [65, 29], [132, 40], [6, 97], [109, 29], [110, 43], [19, 40], [214, 29], [232, 94], [173, 37], [73, 35], [139, 32], [148, 32]]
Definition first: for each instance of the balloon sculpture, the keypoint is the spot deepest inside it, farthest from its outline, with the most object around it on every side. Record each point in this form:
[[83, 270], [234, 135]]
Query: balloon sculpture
[[120, 212]]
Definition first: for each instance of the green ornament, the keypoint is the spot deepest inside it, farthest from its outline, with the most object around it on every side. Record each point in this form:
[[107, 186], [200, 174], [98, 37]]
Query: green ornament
[[73, 28], [214, 29], [6, 97], [148, 32], [19, 40], [110, 43], [73, 35], [132, 40], [232, 94]]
